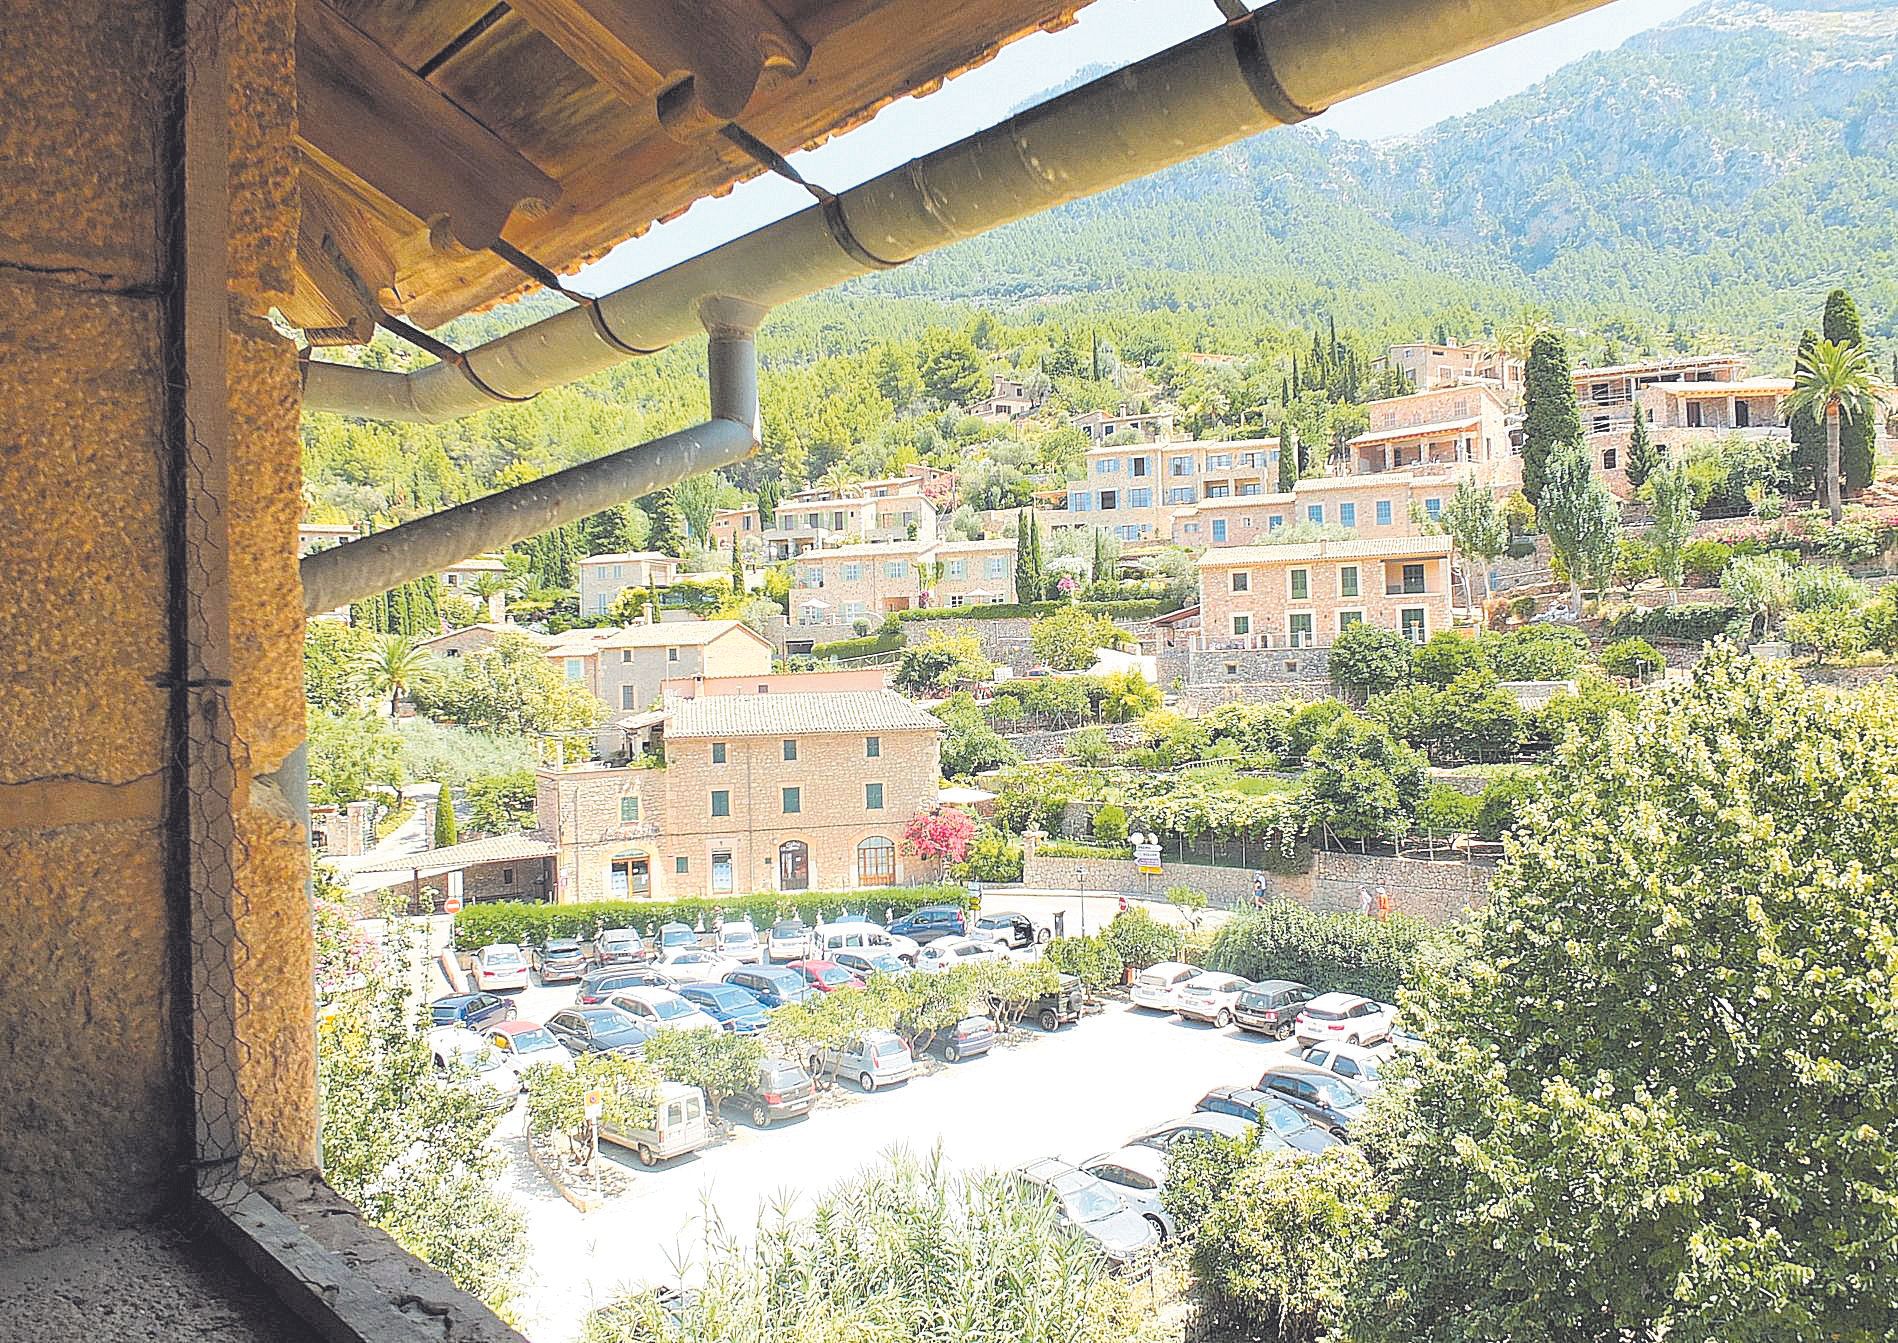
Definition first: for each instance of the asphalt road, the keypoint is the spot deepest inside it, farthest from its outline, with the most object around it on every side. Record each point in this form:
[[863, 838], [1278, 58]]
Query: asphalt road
[[1080, 1091]]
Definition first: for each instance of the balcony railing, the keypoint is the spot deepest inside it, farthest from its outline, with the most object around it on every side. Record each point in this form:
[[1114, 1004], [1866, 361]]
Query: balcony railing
[[1267, 641], [1406, 590]]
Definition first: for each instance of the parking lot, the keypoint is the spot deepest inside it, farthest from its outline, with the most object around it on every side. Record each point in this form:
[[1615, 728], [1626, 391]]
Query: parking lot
[[1072, 1094]]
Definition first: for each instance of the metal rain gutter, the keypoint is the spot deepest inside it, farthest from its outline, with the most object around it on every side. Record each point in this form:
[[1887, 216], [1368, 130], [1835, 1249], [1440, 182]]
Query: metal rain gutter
[[1276, 66]]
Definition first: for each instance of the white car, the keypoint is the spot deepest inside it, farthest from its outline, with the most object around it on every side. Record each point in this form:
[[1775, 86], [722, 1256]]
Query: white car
[[695, 965], [462, 1058], [789, 940], [1138, 1175], [1157, 986], [945, 952], [500, 965], [522, 1044], [1354, 1063], [739, 942], [1211, 997], [860, 935], [661, 1010], [1343, 1018]]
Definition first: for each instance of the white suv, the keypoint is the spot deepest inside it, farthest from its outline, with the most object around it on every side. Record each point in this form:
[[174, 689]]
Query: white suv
[[1354, 1063], [1343, 1018], [1157, 986], [1210, 997], [498, 966], [947, 951]]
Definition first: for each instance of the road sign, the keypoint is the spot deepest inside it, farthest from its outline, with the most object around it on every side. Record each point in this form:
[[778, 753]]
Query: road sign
[[1147, 859], [452, 905], [975, 897], [596, 1105]]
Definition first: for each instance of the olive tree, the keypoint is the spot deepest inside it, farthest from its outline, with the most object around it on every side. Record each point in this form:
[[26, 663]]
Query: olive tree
[[1657, 1096]]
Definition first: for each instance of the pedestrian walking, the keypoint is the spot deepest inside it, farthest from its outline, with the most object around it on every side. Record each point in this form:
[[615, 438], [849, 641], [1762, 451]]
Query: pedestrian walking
[[1383, 905], [1061, 923], [1258, 890], [1364, 901]]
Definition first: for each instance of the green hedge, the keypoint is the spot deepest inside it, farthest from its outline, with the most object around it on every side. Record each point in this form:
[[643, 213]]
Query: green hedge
[[1343, 952], [883, 641], [1067, 848], [532, 924], [1694, 623]]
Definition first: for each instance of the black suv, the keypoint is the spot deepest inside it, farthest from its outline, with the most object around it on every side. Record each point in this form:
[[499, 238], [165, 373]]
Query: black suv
[[561, 960], [925, 925], [1051, 1011], [1330, 1102], [782, 1091], [597, 987], [1271, 1006]]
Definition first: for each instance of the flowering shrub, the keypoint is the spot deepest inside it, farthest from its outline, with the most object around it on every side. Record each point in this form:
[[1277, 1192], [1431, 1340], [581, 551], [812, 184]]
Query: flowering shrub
[[940, 834]]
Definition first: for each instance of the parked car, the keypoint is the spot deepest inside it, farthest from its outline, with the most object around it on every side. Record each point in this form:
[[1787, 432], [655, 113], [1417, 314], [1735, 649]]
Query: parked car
[[1403, 1040], [947, 951], [673, 937], [738, 941], [1343, 1017], [772, 985], [1138, 1175], [1354, 1063], [561, 960], [462, 1058], [968, 1038], [789, 940], [1011, 929], [1201, 1125], [1268, 1110], [875, 1059], [661, 1010], [1088, 1207], [598, 1030], [825, 976], [727, 1004], [1157, 986], [471, 1009], [863, 964], [522, 1044], [499, 965], [694, 965], [925, 925], [858, 934], [1051, 1011], [678, 1126], [619, 946], [1329, 1101], [783, 1091], [600, 985], [1210, 997], [1271, 1006]]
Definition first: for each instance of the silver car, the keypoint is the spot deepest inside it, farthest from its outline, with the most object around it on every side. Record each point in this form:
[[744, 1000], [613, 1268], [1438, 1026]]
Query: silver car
[[875, 1059], [1089, 1207], [1138, 1175]]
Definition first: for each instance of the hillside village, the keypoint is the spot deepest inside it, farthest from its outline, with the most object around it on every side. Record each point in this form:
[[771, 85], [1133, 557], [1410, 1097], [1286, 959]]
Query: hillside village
[[1181, 599]]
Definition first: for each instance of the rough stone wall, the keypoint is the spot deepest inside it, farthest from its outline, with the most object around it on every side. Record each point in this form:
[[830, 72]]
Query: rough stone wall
[[1052, 743], [99, 1135], [1195, 700], [1225, 887]]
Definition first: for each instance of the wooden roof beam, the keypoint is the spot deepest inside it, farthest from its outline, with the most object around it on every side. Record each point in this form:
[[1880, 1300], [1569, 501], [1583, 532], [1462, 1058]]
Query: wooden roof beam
[[342, 269], [369, 115], [705, 56]]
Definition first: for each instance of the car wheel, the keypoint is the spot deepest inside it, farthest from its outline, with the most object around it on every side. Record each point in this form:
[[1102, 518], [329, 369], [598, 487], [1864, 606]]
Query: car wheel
[[1338, 1133], [1042, 935], [1050, 1021], [867, 1082], [951, 1053], [646, 1157], [510, 1013], [760, 1116], [1159, 1227], [1222, 1019], [1352, 1040]]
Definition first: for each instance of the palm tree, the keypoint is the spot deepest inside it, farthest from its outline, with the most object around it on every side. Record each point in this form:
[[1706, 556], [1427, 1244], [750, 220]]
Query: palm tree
[[839, 478], [1833, 379], [488, 586], [390, 667], [1515, 336]]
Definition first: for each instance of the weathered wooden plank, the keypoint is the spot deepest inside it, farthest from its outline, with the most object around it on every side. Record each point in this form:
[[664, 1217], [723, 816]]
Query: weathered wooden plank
[[366, 112]]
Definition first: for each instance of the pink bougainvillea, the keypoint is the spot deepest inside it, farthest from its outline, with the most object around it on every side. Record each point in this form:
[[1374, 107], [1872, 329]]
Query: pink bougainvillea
[[943, 833]]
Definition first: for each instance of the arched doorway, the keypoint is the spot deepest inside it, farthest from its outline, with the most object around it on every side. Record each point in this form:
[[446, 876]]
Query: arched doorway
[[876, 862], [794, 866]]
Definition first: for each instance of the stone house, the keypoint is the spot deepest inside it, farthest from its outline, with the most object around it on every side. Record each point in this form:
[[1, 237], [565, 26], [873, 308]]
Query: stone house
[[626, 667], [842, 585], [1135, 491], [1374, 506], [790, 791], [886, 510], [1148, 426], [604, 577], [1682, 414], [1466, 429], [1430, 366], [1302, 596]]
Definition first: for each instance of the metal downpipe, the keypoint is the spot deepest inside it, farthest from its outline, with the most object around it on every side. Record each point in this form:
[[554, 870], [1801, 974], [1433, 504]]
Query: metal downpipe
[[1278, 65]]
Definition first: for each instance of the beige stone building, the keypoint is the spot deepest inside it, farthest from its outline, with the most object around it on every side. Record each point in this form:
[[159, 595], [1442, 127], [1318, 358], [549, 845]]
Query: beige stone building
[[1682, 414], [850, 583], [1430, 366], [1302, 596], [1147, 426], [604, 577], [898, 509], [1451, 432], [626, 667], [1378, 505], [785, 791], [1135, 491]]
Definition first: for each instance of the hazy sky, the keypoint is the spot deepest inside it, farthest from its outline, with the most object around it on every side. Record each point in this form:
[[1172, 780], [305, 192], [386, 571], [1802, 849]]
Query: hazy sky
[[1113, 33]]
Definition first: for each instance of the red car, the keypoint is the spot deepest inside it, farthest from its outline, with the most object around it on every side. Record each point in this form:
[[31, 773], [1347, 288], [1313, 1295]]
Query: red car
[[825, 976]]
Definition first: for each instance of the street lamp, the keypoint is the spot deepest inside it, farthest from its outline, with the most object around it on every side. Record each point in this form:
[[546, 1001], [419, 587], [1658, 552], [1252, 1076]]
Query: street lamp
[[1080, 894]]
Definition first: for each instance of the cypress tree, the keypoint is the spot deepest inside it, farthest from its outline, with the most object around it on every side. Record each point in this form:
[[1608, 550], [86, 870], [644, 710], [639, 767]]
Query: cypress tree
[[1642, 459], [738, 571], [1809, 433], [668, 523], [446, 831], [1842, 326], [1550, 417], [1024, 556], [1288, 456]]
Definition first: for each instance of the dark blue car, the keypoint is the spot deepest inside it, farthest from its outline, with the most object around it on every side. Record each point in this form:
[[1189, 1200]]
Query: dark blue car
[[772, 985], [729, 1005], [471, 1009], [925, 925]]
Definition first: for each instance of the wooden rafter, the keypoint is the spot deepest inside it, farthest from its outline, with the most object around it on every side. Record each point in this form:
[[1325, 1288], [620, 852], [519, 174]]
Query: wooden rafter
[[706, 55], [367, 115]]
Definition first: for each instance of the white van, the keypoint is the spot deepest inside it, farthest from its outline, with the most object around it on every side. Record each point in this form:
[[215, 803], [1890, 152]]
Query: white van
[[1157, 986], [860, 935], [678, 1126]]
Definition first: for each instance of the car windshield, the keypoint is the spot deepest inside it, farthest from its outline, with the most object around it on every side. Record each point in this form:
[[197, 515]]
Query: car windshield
[[1324, 1013], [1338, 1096], [526, 1042], [475, 1056], [834, 975], [562, 948], [617, 1032], [885, 962], [618, 941], [739, 935], [886, 1049], [671, 1009], [1086, 1201], [676, 936], [1282, 1118], [787, 928], [728, 1000], [507, 957]]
